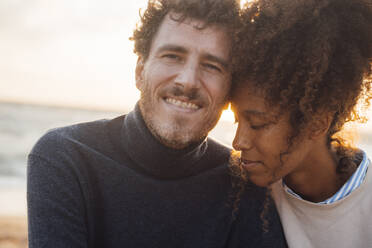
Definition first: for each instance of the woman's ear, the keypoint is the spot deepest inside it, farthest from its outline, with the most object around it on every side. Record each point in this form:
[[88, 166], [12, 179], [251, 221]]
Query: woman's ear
[[320, 125], [139, 73]]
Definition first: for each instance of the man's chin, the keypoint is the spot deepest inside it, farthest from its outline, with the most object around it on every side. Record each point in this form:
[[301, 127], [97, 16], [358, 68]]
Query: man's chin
[[178, 140], [177, 131]]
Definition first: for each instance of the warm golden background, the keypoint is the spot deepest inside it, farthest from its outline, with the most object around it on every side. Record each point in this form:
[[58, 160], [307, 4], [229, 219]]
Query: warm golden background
[[63, 62]]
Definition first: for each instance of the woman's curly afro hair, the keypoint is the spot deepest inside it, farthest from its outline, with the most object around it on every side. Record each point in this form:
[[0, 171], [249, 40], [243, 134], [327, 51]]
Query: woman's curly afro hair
[[309, 57]]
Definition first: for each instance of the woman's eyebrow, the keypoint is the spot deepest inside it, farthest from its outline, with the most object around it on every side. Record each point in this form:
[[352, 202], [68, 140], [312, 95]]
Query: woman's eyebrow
[[247, 112], [255, 113]]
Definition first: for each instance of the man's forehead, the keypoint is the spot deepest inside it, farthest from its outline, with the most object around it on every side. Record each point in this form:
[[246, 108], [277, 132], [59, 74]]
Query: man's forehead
[[192, 33]]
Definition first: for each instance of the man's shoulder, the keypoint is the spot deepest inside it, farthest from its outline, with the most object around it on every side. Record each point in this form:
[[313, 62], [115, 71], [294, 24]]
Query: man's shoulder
[[217, 153], [214, 144], [67, 137]]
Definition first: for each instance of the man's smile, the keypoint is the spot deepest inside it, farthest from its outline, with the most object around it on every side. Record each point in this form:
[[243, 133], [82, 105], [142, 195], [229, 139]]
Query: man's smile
[[182, 104]]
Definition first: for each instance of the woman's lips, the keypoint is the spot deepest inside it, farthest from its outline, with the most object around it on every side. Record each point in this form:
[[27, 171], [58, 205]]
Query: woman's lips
[[249, 164]]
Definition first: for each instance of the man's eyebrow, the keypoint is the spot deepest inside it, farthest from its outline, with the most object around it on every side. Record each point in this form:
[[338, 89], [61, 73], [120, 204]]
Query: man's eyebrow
[[173, 48], [216, 59]]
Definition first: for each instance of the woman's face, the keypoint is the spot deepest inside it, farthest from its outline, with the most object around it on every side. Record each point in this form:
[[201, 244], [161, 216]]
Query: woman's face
[[262, 137]]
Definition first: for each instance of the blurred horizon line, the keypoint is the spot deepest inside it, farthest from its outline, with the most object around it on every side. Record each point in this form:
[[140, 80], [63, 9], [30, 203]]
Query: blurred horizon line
[[119, 109]]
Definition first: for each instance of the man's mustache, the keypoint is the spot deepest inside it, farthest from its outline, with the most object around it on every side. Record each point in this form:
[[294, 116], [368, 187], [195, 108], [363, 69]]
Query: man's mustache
[[191, 94]]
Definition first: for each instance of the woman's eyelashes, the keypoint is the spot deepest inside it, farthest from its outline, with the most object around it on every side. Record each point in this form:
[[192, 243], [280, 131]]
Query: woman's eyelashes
[[258, 127], [253, 123]]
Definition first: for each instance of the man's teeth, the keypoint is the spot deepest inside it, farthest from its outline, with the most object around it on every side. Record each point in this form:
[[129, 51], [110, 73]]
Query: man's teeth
[[182, 104]]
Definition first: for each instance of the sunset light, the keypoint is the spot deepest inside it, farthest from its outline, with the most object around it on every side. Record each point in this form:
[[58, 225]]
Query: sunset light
[[228, 115], [243, 2]]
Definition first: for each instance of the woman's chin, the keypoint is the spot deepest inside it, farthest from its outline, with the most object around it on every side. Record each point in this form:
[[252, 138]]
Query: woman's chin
[[260, 181]]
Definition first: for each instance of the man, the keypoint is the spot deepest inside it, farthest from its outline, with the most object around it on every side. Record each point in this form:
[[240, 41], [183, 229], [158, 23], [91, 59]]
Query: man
[[151, 178]]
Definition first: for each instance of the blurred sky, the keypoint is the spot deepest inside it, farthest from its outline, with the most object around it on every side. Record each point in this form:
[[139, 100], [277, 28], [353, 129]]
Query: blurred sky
[[70, 52]]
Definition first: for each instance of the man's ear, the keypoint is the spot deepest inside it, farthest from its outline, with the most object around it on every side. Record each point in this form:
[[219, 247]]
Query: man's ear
[[139, 73]]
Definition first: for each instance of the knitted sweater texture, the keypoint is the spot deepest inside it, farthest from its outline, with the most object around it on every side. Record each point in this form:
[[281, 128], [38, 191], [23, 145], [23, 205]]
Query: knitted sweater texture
[[110, 183]]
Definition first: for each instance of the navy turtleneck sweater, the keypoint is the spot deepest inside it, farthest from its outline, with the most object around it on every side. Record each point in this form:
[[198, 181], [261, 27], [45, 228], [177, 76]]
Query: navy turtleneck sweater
[[110, 183]]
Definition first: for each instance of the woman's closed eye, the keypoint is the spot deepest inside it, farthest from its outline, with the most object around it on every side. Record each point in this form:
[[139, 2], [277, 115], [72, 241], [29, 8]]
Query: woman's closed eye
[[254, 125], [260, 126]]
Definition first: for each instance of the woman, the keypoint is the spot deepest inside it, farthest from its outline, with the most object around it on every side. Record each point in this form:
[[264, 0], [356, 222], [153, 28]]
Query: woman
[[306, 65]]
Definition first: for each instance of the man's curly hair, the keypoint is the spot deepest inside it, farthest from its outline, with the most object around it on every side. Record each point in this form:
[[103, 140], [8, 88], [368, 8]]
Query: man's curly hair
[[310, 57], [224, 13]]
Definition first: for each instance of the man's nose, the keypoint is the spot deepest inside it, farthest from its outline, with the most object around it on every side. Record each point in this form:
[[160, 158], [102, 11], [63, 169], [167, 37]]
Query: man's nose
[[243, 139], [188, 76]]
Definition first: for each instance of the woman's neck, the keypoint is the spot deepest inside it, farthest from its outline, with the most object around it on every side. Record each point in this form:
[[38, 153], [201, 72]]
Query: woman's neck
[[317, 180]]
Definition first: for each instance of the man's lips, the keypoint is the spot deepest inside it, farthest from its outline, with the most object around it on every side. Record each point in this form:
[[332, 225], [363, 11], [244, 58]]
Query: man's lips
[[182, 103]]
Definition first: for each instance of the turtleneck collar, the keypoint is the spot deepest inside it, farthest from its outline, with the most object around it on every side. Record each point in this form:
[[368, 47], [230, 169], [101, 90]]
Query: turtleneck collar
[[153, 157]]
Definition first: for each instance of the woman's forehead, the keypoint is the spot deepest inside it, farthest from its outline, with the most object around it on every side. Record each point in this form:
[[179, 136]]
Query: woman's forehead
[[249, 99]]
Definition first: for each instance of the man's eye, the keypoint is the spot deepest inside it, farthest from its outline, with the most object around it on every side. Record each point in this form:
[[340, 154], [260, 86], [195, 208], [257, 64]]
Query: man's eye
[[171, 56], [212, 67]]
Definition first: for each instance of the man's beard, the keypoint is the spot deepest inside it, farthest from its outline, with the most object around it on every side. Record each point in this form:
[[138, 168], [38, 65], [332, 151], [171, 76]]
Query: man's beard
[[174, 133]]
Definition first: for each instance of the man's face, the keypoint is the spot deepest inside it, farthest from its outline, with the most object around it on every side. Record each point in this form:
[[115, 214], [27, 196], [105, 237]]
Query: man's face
[[184, 82]]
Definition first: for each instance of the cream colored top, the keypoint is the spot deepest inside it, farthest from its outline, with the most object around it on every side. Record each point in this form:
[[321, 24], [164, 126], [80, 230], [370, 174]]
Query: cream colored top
[[346, 223]]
